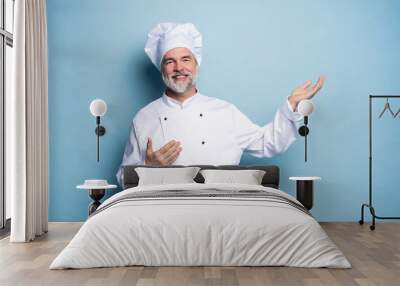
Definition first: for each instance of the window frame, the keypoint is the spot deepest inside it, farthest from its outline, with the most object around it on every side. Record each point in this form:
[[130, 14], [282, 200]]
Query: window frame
[[6, 39]]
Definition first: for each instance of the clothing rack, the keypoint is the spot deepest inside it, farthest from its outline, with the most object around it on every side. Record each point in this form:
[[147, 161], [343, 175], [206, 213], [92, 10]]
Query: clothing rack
[[370, 205]]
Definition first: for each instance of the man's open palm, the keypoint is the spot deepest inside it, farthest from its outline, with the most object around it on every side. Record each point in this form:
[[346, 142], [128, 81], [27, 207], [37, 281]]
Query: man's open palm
[[305, 91], [164, 156]]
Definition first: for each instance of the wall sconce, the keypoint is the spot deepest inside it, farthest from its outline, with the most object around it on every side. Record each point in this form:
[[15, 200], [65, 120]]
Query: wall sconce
[[98, 108], [305, 108]]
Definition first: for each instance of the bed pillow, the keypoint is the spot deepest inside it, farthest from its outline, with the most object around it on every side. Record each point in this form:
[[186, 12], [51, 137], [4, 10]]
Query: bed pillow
[[249, 177], [162, 176]]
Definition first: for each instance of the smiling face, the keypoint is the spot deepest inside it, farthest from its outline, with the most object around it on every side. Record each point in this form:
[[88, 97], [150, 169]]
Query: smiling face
[[179, 70]]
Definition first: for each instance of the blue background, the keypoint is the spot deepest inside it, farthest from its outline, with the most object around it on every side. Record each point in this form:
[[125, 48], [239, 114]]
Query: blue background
[[254, 55]]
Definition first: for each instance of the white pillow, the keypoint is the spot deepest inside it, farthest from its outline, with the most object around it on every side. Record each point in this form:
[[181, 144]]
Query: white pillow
[[249, 177], [162, 176]]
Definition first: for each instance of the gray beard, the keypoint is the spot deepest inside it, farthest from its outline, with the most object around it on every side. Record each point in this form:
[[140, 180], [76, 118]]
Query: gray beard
[[179, 88]]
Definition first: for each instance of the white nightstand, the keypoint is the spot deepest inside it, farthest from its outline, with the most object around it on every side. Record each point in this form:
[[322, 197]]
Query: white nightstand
[[97, 190], [305, 190]]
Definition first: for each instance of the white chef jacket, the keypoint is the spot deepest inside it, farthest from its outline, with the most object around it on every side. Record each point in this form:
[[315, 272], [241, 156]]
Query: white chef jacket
[[211, 131]]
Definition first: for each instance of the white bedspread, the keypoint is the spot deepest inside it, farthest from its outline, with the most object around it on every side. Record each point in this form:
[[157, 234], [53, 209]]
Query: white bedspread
[[200, 231]]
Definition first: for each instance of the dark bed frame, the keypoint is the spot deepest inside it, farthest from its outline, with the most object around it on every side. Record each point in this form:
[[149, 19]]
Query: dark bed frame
[[270, 179]]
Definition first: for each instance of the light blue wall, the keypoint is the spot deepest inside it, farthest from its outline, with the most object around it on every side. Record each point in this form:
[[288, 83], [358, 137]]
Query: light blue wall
[[254, 55]]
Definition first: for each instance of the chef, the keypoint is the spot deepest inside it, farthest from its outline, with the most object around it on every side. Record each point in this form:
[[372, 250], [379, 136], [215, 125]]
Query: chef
[[185, 127]]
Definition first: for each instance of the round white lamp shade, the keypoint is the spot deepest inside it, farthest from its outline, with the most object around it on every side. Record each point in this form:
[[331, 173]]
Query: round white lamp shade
[[98, 107], [306, 107]]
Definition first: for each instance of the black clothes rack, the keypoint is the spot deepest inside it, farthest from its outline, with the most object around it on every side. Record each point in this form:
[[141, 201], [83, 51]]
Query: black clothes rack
[[370, 205]]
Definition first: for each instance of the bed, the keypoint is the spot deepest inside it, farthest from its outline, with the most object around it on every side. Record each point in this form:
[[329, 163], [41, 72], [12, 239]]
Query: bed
[[201, 224]]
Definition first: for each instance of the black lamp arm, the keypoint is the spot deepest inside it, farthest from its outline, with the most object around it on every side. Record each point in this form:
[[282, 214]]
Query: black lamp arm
[[100, 131], [303, 131]]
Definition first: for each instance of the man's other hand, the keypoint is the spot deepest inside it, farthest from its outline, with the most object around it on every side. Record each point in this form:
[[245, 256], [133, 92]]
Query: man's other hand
[[164, 156], [305, 91]]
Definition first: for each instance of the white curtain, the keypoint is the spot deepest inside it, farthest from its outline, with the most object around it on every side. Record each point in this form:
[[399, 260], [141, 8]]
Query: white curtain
[[27, 123]]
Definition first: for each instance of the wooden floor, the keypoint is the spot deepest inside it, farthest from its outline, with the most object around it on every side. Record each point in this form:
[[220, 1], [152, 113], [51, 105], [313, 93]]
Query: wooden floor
[[374, 255]]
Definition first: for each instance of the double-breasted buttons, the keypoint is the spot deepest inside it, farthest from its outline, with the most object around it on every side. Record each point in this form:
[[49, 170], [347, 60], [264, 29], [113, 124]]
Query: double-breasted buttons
[[202, 142]]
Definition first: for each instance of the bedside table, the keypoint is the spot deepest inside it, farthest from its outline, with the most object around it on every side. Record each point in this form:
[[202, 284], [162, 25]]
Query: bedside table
[[305, 190], [97, 190]]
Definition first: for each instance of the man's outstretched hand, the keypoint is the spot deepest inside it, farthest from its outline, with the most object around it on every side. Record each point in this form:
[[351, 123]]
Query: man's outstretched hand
[[166, 155], [305, 91]]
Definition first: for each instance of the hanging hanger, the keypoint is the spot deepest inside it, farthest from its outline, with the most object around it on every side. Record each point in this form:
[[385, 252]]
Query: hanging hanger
[[387, 107], [398, 112]]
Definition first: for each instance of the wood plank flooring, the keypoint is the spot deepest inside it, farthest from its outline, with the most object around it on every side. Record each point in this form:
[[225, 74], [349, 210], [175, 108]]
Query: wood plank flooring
[[374, 255]]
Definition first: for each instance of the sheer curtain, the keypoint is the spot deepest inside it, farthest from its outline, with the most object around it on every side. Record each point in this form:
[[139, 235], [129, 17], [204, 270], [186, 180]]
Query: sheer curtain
[[27, 123]]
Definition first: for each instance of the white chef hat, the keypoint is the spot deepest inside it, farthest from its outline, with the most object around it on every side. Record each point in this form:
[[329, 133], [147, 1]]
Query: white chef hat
[[166, 36]]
